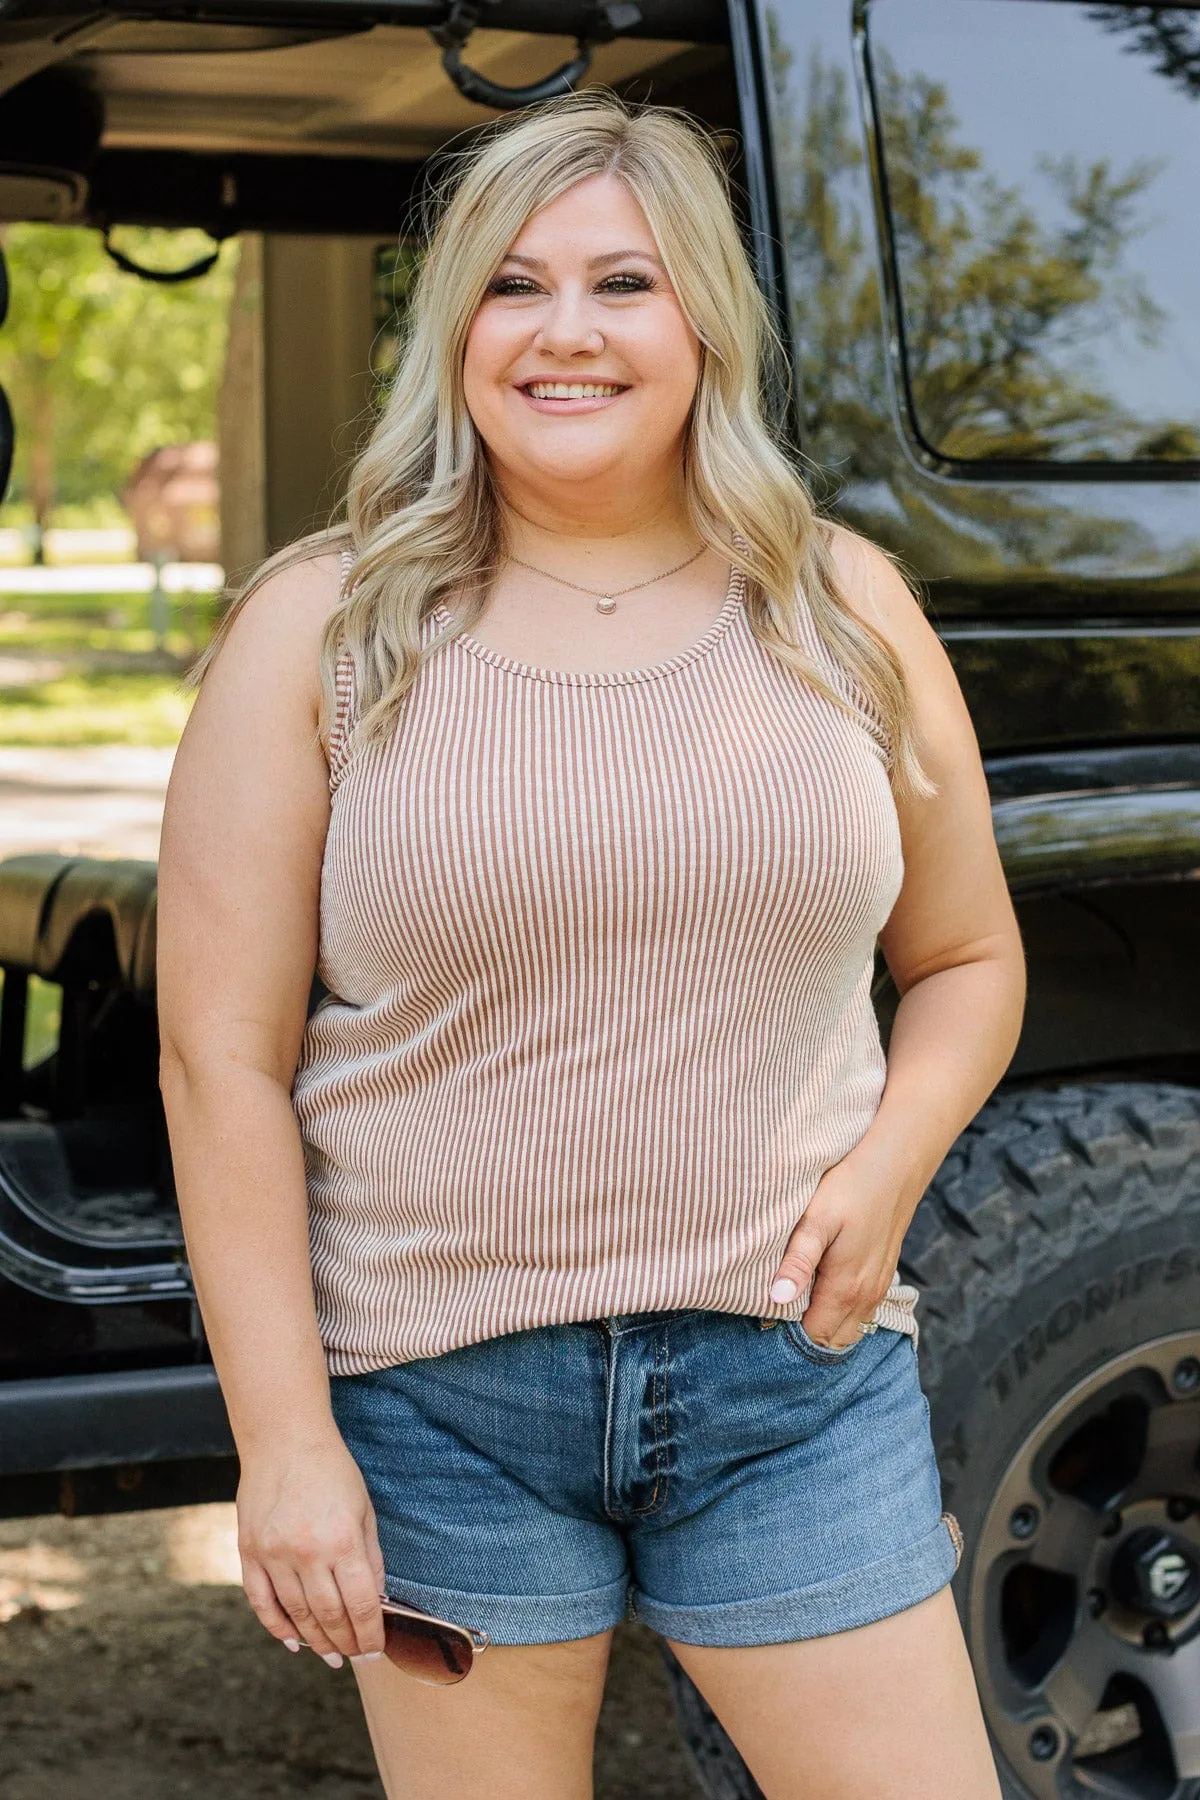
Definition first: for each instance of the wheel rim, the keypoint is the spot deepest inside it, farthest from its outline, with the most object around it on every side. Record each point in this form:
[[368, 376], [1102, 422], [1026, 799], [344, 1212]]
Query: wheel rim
[[1084, 1602]]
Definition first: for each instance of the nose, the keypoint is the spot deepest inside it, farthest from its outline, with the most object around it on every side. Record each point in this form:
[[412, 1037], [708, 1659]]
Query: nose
[[568, 326]]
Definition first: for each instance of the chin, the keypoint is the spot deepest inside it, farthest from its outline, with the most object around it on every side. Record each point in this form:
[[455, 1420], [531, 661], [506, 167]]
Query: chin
[[560, 468]]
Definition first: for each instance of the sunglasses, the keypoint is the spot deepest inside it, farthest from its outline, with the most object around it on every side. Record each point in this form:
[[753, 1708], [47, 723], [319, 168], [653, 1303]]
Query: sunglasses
[[430, 1650]]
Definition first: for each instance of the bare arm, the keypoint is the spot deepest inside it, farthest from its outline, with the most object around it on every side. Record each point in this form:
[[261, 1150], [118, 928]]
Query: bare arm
[[953, 947], [244, 828]]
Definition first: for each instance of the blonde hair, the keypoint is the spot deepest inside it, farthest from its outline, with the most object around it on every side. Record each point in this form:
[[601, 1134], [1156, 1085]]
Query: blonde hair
[[422, 516]]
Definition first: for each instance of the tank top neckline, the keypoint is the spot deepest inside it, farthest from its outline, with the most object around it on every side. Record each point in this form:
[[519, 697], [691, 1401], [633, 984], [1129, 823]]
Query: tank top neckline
[[607, 677]]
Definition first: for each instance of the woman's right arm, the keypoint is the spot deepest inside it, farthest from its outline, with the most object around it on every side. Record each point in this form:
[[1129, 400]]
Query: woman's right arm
[[244, 826]]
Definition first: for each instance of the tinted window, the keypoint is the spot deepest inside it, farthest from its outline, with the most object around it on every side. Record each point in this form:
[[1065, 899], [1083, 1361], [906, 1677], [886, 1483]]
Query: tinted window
[[1041, 161]]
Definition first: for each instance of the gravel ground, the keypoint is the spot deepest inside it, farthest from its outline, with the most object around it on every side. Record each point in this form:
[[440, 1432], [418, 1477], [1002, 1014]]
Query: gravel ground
[[97, 800], [131, 1668]]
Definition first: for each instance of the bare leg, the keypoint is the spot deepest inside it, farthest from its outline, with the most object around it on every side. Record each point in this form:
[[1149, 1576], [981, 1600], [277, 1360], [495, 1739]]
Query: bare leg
[[888, 1710], [522, 1726]]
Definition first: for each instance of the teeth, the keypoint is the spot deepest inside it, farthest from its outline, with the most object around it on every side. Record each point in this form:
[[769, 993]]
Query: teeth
[[570, 390]]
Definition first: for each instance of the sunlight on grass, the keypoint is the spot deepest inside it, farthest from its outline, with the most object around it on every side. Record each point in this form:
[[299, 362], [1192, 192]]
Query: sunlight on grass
[[43, 1019], [41, 624], [139, 709]]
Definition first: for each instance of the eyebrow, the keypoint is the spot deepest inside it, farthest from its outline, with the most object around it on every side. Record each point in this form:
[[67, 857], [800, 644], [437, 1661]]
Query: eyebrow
[[593, 262]]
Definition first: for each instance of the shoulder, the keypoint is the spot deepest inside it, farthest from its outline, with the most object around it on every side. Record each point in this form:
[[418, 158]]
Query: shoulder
[[294, 599], [876, 592], [272, 642], [873, 588]]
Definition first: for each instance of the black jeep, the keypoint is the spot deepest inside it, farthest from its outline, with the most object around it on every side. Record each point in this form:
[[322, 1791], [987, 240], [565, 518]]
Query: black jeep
[[976, 220]]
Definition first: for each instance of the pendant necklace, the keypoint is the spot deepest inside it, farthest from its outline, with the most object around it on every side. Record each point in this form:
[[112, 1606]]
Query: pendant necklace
[[607, 603]]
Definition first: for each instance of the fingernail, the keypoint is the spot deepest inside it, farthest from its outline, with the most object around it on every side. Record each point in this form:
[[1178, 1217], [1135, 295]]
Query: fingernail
[[783, 1291], [292, 1643], [333, 1658], [367, 1656]]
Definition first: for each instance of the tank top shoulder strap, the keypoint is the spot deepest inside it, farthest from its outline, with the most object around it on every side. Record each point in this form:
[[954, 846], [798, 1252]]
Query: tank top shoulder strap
[[844, 680], [346, 690]]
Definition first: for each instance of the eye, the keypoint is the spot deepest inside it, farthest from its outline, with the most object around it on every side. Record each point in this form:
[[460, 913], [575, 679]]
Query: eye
[[639, 284], [509, 284], [519, 285]]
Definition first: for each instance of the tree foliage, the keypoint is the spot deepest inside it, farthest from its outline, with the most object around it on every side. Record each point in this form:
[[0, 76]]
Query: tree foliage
[[1008, 308], [100, 366], [1168, 35]]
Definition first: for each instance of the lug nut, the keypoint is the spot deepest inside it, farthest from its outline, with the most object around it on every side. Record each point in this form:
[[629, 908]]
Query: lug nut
[[1180, 1507], [1043, 1743], [1111, 1525], [1155, 1636], [1185, 1377], [1023, 1521], [1097, 1601]]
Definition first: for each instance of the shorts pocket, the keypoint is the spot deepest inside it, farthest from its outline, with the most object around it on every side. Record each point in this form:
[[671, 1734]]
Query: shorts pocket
[[819, 1353]]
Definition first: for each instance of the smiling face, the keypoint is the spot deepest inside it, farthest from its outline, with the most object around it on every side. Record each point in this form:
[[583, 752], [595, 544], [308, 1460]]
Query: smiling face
[[580, 366]]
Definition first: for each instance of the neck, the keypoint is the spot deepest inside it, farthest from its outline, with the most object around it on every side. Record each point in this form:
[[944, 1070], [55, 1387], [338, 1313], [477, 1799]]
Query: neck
[[542, 529]]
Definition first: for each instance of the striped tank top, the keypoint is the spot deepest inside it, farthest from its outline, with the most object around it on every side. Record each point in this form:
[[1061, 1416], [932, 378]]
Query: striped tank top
[[599, 951]]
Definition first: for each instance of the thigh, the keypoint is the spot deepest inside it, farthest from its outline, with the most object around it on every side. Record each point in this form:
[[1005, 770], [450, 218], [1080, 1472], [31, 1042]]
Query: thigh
[[520, 1727], [888, 1710]]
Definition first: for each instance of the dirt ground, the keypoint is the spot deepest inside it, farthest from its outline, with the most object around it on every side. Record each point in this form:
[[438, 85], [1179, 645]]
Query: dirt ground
[[131, 1668]]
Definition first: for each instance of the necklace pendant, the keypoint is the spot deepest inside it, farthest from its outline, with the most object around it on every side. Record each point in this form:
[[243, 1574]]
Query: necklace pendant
[[606, 606]]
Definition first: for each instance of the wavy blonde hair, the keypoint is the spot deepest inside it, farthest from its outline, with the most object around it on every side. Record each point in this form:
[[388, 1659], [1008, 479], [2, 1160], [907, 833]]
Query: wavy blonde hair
[[422, 514]]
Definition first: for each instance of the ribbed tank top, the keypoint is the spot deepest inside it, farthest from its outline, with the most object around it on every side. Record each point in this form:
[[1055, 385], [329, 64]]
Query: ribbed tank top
[[599, 951]]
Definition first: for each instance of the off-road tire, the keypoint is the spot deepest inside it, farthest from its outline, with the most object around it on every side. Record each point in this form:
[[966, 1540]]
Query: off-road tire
[[1061, 1231]]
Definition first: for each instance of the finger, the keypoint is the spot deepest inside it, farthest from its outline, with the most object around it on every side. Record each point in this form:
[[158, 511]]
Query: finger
[[360, 1601], [806, 1246], [836, 1325], [374, 1552], [324, 1594], [265, 1605], [297, 1604]]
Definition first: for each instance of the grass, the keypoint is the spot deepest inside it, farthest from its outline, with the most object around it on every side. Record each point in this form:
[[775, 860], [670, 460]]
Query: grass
[[99, 694], [98, 708], [43, 1017]]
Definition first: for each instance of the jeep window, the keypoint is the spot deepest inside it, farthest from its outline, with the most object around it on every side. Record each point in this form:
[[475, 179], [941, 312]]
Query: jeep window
[[1039, 167]]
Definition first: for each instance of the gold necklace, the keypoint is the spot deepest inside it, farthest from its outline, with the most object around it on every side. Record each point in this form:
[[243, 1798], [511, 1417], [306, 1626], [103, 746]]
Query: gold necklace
[[607, 603]]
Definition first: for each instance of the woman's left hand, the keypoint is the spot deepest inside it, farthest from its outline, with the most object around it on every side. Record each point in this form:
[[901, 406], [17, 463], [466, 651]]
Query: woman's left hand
[[849, 1238]]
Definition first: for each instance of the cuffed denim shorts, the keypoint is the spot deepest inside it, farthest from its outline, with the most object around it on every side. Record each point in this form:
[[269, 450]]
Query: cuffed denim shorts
[[727, 1480]]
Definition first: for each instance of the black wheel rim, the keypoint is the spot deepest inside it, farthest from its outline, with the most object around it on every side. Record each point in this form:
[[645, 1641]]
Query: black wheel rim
[[1084, 1595]]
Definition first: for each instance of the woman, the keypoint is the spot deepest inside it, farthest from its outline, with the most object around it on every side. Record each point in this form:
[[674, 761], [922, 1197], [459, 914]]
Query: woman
[[551, 1266]]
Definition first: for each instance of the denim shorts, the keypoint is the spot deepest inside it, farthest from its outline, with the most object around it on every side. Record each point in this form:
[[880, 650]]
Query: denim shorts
[[727, 1480]]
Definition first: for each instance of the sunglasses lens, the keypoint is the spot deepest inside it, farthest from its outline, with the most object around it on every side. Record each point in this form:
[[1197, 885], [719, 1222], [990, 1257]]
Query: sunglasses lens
[[435, 1654]]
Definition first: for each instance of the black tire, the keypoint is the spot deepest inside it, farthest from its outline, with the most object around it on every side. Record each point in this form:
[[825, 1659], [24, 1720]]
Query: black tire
[[1060, 1235]]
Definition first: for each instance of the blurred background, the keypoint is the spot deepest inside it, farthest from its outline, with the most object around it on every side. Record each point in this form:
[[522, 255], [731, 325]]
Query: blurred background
[[136, 401]]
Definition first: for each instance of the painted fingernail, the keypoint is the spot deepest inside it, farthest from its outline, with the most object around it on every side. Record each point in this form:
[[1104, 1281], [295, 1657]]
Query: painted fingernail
[[333, 1658], [367, 1656], [783, 1291], [292, 1643]]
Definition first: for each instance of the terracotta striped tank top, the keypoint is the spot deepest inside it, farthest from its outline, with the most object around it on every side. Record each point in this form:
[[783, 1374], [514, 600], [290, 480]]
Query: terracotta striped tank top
[[599, 949]]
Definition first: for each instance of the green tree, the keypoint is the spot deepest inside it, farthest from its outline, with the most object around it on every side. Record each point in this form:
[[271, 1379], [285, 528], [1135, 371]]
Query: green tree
[[102, 367], [1001, 308], [840, 390], [843, 390]]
